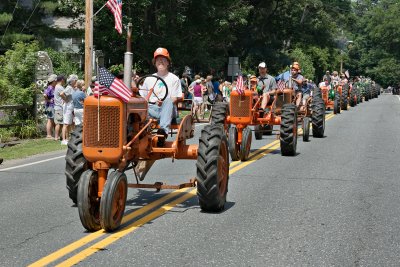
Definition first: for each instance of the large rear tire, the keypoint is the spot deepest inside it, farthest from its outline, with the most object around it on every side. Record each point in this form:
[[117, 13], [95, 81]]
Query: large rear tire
[[88, 201], [233, 145], [76, 163], [113, 199], [219, 113], [212, 169], [288, 131], [318, 118], [246, 144]]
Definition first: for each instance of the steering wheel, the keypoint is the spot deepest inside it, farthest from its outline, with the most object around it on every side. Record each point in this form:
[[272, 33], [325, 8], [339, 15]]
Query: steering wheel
[[160, 95]]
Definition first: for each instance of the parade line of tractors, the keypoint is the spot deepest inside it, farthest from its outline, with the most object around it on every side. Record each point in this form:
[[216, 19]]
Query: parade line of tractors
[[118, 136]]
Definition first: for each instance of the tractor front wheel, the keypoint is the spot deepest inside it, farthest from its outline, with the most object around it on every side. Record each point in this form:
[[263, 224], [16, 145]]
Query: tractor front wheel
[[288, 131], [258, 132], [246, 144], [336, 104], [268, 129], [306, 129], [233, 145], [212, 168], [113, 199], [88, 201]]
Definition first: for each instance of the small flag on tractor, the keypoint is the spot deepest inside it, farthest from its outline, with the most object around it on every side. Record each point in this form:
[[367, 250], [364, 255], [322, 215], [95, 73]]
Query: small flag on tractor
[[239, 84], [115, 6], [114, 86], [281, 85]]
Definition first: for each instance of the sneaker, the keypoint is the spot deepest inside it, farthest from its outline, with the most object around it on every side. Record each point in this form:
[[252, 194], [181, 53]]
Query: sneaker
[[162, 138], [64, 142]]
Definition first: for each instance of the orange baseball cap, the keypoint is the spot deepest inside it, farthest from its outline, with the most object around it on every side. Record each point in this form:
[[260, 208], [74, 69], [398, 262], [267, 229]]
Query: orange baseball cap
[[161, 52]]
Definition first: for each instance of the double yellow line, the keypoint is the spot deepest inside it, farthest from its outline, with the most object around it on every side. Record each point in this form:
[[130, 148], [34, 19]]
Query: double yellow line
[[179, 196]]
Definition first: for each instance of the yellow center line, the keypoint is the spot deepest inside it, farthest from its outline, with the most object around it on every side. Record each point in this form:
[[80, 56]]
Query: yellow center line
[[89, 238], [256, 155], [126, 230]]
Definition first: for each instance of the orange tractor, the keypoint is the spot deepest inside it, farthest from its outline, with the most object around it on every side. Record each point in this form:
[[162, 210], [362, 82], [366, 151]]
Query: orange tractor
[[118, 136], [245, 111], [332, 97]]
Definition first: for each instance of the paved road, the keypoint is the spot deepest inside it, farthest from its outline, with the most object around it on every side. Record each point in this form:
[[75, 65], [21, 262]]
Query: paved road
[[335, 203]]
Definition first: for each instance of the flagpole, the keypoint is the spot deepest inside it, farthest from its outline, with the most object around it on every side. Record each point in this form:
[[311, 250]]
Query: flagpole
[[99, 10], [88, 41]]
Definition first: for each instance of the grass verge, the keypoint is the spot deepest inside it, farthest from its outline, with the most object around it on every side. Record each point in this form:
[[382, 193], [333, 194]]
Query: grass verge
[[30, 147]]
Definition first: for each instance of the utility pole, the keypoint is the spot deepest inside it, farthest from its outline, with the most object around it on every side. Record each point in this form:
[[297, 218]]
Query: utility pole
[[88, 41]]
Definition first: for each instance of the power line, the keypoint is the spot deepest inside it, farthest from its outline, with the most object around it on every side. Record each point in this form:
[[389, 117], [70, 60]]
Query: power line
[[16, 4], [30, 16]]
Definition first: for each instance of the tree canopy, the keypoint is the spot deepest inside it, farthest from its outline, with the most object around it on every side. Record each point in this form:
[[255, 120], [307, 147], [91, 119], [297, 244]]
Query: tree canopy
[[202, 34]]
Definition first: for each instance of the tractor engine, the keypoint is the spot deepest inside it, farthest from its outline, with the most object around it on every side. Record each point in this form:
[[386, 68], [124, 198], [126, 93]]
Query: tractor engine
[[240, 107], [105, 126]]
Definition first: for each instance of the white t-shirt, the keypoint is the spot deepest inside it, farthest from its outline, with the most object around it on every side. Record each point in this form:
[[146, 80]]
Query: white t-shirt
[[172, 81]]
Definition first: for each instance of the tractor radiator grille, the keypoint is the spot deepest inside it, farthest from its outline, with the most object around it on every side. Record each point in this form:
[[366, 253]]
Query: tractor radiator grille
[[240, 106], [109, 126]]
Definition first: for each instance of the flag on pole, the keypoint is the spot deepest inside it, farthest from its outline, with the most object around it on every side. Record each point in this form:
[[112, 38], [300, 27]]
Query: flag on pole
[[115, 6], [113, 85], [281, 85], [239, 84]]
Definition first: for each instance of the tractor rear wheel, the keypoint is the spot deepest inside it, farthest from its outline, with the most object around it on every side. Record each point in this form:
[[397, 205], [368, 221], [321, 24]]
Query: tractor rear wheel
[[288, 131], [258, 132], [318, 118], [212, 169], [246, 144], [306, 129], [219, 113], [88, 201], [233, 145], [76, 163], [268, 129], [113, 199]]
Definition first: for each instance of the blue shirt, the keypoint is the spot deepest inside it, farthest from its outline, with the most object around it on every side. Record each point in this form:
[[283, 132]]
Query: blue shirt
[[77, 97]]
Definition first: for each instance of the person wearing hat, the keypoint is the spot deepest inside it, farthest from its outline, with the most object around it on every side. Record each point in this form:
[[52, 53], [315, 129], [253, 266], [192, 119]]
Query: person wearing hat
[[162, 110], [327, 76], [49, 104], [297, 80], [265, 84], [58, 106], [68, 109]]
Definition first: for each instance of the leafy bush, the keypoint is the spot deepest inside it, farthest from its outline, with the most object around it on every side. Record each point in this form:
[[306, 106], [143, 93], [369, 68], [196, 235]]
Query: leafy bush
[[5, 135], [63, 63], [27, 130]]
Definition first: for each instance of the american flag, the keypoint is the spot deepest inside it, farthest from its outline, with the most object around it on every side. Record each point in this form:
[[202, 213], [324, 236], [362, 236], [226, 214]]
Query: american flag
[[239, 84], [281, 85], [113, 86], [115, 6]]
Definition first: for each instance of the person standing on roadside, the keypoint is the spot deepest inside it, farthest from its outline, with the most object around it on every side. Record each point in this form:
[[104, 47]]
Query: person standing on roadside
[[68, 107], [78, 96], [49, 107], [58, 106]]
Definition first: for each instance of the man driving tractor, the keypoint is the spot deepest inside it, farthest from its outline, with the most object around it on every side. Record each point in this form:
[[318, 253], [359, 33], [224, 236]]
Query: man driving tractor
[[297, 78], [153, 87], [266, 83]]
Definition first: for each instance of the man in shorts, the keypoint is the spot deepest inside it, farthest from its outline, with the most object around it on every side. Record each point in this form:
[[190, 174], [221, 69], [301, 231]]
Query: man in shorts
[[58, 106], [265, 83], [49, 106]]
